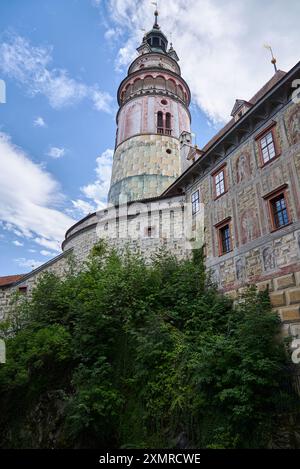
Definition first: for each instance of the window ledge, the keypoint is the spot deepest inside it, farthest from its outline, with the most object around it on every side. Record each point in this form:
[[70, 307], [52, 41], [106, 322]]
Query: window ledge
[[218, 196], [281, 227], [270, 161], [224, 253]]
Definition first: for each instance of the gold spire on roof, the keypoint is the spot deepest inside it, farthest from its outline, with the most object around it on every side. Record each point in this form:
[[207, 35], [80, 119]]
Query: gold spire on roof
[[273, 61], [155, 14]]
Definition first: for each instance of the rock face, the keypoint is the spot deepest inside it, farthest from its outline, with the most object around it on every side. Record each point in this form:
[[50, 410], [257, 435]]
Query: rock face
[[42, 427], [286, 433]]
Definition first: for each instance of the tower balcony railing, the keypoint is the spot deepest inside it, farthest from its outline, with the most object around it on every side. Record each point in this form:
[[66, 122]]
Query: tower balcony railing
[[163, 131]]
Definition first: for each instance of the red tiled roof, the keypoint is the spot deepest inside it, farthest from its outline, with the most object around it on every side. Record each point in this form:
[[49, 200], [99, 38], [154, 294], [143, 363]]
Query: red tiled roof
[[9, 279], [275, 78]]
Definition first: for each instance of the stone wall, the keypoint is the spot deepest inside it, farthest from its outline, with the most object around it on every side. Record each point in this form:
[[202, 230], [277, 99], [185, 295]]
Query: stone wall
[[143, 226], [59, 266], [143, 167]]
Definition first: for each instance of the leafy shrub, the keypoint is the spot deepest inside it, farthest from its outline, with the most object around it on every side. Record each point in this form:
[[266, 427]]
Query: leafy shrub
[[125, 354]]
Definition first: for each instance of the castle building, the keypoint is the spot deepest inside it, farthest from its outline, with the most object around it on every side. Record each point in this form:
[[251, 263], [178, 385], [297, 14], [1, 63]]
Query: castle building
[[239, 196], [153, 113]]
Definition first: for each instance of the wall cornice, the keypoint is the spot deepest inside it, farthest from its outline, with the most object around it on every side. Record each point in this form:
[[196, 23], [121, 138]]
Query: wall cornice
[[154, 70]]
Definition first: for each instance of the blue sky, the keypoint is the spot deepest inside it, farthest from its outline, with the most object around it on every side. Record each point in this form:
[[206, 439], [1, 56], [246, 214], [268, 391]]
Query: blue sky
[[62, 61]]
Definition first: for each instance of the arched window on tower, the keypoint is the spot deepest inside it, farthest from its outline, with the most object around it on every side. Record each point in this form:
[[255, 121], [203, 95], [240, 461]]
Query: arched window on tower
[[160, 83], [168, 124], [160, 123], [180, 92], [128, 91], [148, 82], [171, 86], [164, 124], [137, 85], [155, 42]]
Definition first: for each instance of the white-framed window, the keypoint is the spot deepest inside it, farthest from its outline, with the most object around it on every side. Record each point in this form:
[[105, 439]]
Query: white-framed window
[[267, 146], [195, 202], [220, 183]]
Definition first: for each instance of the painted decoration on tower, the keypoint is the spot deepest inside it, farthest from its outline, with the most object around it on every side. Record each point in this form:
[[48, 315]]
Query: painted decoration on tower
[[293, 124], [133, 119], [140, 116], [243, 167], [269, 258], [275, 178], [215, 276], [222, 209], [298, 239], [240, 270], [249, 225]]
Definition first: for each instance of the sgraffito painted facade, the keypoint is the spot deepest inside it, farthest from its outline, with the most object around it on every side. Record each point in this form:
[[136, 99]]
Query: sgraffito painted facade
[[264, 244]]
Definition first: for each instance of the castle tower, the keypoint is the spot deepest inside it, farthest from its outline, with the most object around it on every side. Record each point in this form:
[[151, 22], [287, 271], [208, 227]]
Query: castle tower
[[153, 113]]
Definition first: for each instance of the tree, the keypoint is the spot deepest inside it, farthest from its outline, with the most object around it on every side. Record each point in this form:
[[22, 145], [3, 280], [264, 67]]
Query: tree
[[126, 354]]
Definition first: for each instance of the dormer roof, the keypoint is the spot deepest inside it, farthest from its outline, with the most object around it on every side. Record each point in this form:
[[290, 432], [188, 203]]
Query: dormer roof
[[239, 103]]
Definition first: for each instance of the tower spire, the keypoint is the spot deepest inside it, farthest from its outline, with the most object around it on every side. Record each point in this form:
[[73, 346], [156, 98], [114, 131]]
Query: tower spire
[[155, 26], [273, 61]]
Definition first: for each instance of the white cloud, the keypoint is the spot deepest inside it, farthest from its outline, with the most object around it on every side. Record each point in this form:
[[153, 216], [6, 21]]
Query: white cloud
[[50, 244], [82, 207], [18, 243], [220, 44], [56, 152], [17, 232], [47, 253], [31, 67], [30, 264], [112, 34], [98, 190], [32, 250], [126, 54], [102, 101], [39, 122], [28, 197], [9, 226]]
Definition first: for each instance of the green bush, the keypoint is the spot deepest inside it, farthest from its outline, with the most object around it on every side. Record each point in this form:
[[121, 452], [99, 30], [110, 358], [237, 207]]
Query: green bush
[[125, 354]]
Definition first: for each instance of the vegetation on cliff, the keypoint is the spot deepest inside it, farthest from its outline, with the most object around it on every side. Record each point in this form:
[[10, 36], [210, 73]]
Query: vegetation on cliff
[[125, 354]]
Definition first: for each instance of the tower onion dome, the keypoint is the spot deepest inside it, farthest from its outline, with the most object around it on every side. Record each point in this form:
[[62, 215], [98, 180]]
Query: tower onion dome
[[156, 38]]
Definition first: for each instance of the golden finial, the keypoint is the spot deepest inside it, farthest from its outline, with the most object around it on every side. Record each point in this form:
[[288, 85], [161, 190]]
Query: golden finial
[[273, 61], [155, 13]]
